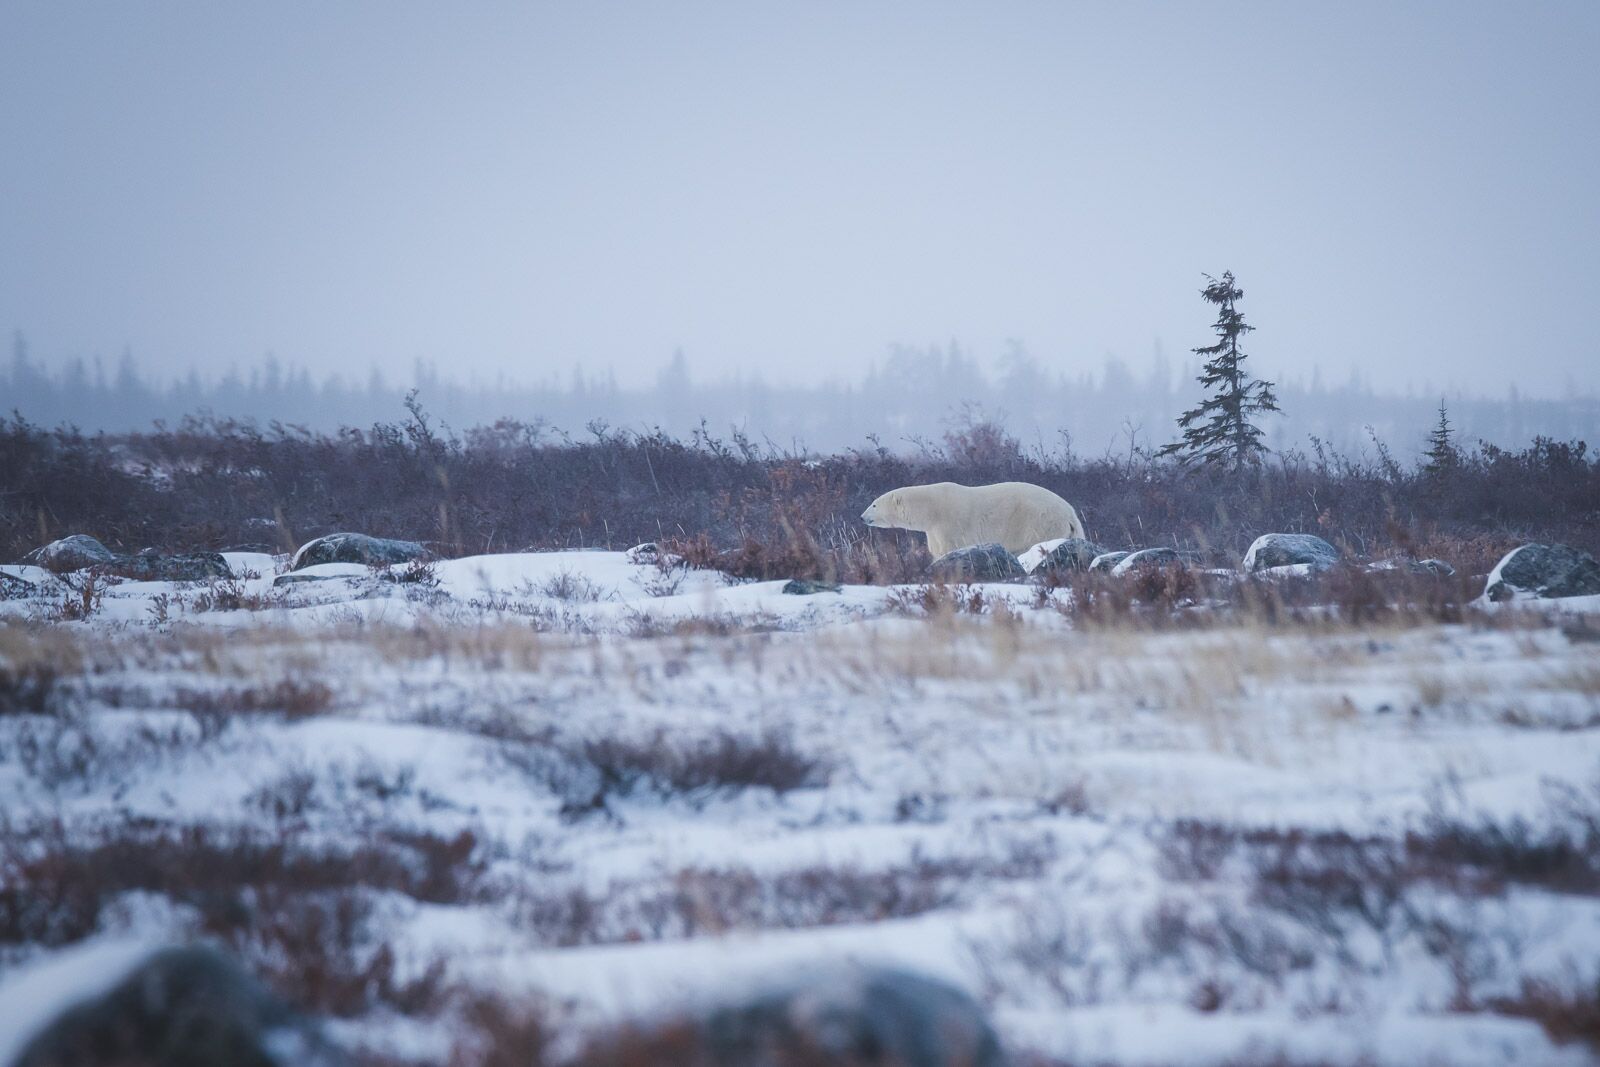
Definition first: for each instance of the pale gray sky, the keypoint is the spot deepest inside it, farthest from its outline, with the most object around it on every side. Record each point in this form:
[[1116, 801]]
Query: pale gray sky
[[786, 189]]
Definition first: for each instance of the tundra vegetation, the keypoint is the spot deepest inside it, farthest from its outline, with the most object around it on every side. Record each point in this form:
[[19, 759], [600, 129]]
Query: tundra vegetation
[[490, 807]]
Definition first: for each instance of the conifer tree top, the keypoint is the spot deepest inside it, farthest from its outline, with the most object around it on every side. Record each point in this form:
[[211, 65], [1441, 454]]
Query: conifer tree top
[[1220, 430]]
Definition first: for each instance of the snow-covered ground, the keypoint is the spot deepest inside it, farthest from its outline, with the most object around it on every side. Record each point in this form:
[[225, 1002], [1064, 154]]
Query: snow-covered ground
[[1137, 847]]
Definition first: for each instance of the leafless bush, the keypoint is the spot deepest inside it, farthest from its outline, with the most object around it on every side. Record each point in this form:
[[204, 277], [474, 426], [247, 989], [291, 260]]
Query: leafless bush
[[712, 901], [939, 599], [1566, 1013], [423, 573], [571, 585], [66, 751], [293, 698], [28, 688], [85, 591], [230, 594], [1321, 877], [725, 761], [56, 886]]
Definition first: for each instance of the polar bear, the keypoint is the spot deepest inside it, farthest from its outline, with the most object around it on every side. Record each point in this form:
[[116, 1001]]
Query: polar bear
[[1016, 514]]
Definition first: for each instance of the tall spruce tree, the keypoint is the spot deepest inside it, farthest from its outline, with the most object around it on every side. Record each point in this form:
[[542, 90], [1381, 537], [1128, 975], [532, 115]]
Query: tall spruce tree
[[1220, 429], [1441, 454]]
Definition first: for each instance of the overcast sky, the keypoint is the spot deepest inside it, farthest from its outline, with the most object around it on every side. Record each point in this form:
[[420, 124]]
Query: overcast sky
[[788, 189]]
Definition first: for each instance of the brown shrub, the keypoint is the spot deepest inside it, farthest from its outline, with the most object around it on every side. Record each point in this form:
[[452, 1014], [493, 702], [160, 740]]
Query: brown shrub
[[1566, 1015], [27, 689], [55, 888], [293, 698]]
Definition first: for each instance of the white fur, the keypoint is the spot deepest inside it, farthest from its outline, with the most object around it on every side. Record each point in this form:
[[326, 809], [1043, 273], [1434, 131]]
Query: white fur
[[1016, 514]]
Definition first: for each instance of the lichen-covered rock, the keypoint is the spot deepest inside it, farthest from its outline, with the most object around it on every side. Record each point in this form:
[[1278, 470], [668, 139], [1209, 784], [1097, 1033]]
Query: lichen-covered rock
[[356, 548], [807, 587], [853, 1017], [180, 1007], [150, 566], [977, 563], [1062, 554], [71, 553], [1105, 562], [1289, 549], [1149, 557], [1545, 571]]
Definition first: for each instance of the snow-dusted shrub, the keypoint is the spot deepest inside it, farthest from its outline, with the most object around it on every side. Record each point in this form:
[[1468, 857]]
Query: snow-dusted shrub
[[27, 688]]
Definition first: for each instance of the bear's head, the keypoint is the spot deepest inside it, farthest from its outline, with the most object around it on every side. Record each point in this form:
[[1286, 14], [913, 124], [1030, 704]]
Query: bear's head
[[888, 511]]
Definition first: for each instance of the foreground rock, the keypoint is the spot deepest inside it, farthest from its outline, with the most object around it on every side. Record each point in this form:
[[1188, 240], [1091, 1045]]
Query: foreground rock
[[356, 548], [183, 1007], [1106, 562], [1062, 555], [808, 587], [151, 566], [81, 552], [977, 563], [1436, 567], [1545, 571], [1150, 557], [72, 553], [1289, 550], [854, 1016]]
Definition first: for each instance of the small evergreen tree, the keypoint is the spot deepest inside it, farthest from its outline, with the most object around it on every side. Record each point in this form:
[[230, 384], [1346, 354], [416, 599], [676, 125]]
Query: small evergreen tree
[[1220, 429], [1441, 454]]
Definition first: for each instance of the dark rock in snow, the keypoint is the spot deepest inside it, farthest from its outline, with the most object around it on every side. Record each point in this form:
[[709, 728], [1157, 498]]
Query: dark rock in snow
[[1106, 561], [806, 587], [1071, 554], [1151, 557], [649, 552], [356, 548], [181, 1007], [296, 579], [978, 563], [71, 553], [1546, 571], [1289, 549], [856, 1016], [1436, 567], [150, 566]]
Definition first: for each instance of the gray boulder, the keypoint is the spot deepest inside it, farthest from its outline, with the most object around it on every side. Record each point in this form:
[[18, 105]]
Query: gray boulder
[[1106, 561], [1151, 557], [181, 1007], [1070, 554], [356, 548], [1288, 550], [1544, 571], [1436, 567], [151, 566], [303, 579], [853, 1017], [71, 553], [978, 563], [807, 587]]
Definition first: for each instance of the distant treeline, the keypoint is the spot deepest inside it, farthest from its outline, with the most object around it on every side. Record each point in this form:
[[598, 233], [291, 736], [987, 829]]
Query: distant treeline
[[914, 395]]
